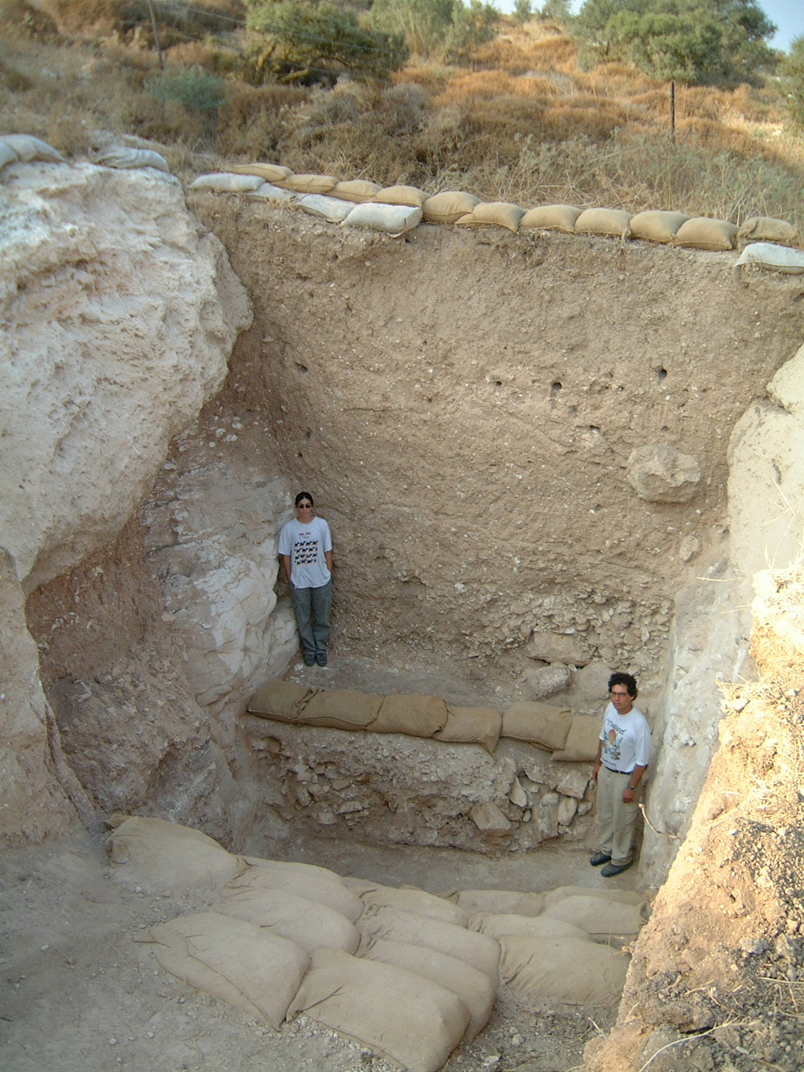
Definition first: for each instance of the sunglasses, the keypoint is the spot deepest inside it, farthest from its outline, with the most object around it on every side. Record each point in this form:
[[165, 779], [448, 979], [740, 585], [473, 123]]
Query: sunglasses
[[304, 506]]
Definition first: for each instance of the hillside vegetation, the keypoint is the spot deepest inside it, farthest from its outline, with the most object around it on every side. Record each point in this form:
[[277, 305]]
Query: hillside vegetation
[[515, 118]]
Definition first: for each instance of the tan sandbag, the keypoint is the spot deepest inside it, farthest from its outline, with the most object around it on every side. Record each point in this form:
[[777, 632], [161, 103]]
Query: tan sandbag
[[227, 183], [342, 709], [394, 220], [566, 970], [493, 214], [471, 725], [657, 226], [496, 926], [601, 919], [281, 700], [399, 1015], [611, 222], [582, 740], [125, 157], [7, 155], [537, 723], [704, 233], [624, 897], [415, 715], [267, 172], [448, 206], [164, 857], [256, 971], [401, 195], [355, 190], [497, 901], [470, 986], [326, 208], [411, 899], [268, 192], [773, 258], [307, 184], [479, 950], [551, 218], [768, 229], [27, 148], [300, 920], [305, 880]]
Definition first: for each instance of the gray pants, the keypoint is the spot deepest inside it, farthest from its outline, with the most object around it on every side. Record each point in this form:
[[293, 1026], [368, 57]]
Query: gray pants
[[615, 820], [312, 608]]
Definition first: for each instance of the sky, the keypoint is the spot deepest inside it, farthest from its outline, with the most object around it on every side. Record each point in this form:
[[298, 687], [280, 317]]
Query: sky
[[788, 15]]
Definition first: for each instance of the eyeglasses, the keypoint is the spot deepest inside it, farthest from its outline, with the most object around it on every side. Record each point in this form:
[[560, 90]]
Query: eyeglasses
[[622, 695]]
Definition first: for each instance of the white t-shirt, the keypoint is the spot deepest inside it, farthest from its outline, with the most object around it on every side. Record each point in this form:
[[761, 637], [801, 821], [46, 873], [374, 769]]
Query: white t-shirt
[[307, 546], [626, 739]]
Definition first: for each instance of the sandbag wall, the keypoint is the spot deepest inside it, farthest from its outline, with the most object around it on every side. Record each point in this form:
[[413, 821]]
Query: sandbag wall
[[416, 770], [409, 974]]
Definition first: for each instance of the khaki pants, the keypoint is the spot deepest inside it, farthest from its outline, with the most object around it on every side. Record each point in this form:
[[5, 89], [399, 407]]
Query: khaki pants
[[615, 820]]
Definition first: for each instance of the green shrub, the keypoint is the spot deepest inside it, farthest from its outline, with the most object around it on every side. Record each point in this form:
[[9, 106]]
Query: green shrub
[[194, 89]]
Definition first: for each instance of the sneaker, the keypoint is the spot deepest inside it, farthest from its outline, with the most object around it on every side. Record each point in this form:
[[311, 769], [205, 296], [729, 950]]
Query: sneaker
[[321, 658], [599, 858], [610, 870]]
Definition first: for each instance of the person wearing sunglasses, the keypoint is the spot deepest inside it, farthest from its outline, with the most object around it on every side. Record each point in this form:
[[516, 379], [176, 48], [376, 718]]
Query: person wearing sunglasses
[[305, 547], [623, 754]]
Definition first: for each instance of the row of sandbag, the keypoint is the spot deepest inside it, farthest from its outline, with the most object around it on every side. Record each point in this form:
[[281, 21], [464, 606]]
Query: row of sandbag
[[326, 196], [409, 974], [551, 728]]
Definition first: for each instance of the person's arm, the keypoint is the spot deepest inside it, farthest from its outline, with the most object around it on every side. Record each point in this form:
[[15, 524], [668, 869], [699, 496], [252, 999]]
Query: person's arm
[[328, 557], [598, 760], [629, 793], [286, 562]]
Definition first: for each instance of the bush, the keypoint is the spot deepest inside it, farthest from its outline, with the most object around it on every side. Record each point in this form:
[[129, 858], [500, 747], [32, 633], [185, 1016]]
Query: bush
[[194, 89]]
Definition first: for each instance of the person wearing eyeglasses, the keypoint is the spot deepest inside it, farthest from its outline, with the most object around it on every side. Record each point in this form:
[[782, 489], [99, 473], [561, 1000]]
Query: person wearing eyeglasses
[[623, 754], [305, 547]]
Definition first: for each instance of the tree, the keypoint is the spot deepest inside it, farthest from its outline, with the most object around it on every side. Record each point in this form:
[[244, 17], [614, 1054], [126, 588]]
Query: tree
[[316, 40], [698, 41], [792, 69], [445, 27]]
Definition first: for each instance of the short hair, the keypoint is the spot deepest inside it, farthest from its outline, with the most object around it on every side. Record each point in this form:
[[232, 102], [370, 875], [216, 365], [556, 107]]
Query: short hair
[[304, 495], [624, 679]]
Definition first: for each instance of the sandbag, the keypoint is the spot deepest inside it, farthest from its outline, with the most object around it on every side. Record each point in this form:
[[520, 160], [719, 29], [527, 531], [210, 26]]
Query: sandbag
[[704, 233], [307, 184], [401, 195], [256, 971], [768, 229], [399, 1015], [602, 920], [582, 740], [342, 709], [164, 857], [416, 715], [305, 880], [410, 899], [355, 190], [497, 901], [493, 214], [474, 989], [551, 218], [774, 258], [537, 723], [657, 226], [327, 208], [479, 950], [268, 192], [267, 172], [281, 700], [394, 220], [625, 897], [27, 148], [496, 926], [610, 222], [122, 156], [7, 155], [448, 206], [309, 924], [566, 970], [226, 182], [471, 725]]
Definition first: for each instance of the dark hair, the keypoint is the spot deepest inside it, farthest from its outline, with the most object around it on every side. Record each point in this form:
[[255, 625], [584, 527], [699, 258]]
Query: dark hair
[[624, 679], [304, 495]]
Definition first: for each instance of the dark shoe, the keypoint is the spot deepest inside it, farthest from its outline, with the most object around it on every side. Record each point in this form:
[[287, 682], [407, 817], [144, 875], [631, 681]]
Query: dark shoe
[[321, 658], [309, 660], [599, 858], [610, 870]]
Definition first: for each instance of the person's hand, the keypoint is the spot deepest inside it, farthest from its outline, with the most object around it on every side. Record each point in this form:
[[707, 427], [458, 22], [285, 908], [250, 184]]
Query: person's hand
[[595, 770], [629, 795]]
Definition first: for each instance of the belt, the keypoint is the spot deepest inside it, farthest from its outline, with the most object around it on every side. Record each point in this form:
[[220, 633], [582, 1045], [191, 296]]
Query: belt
[[613, 771]]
